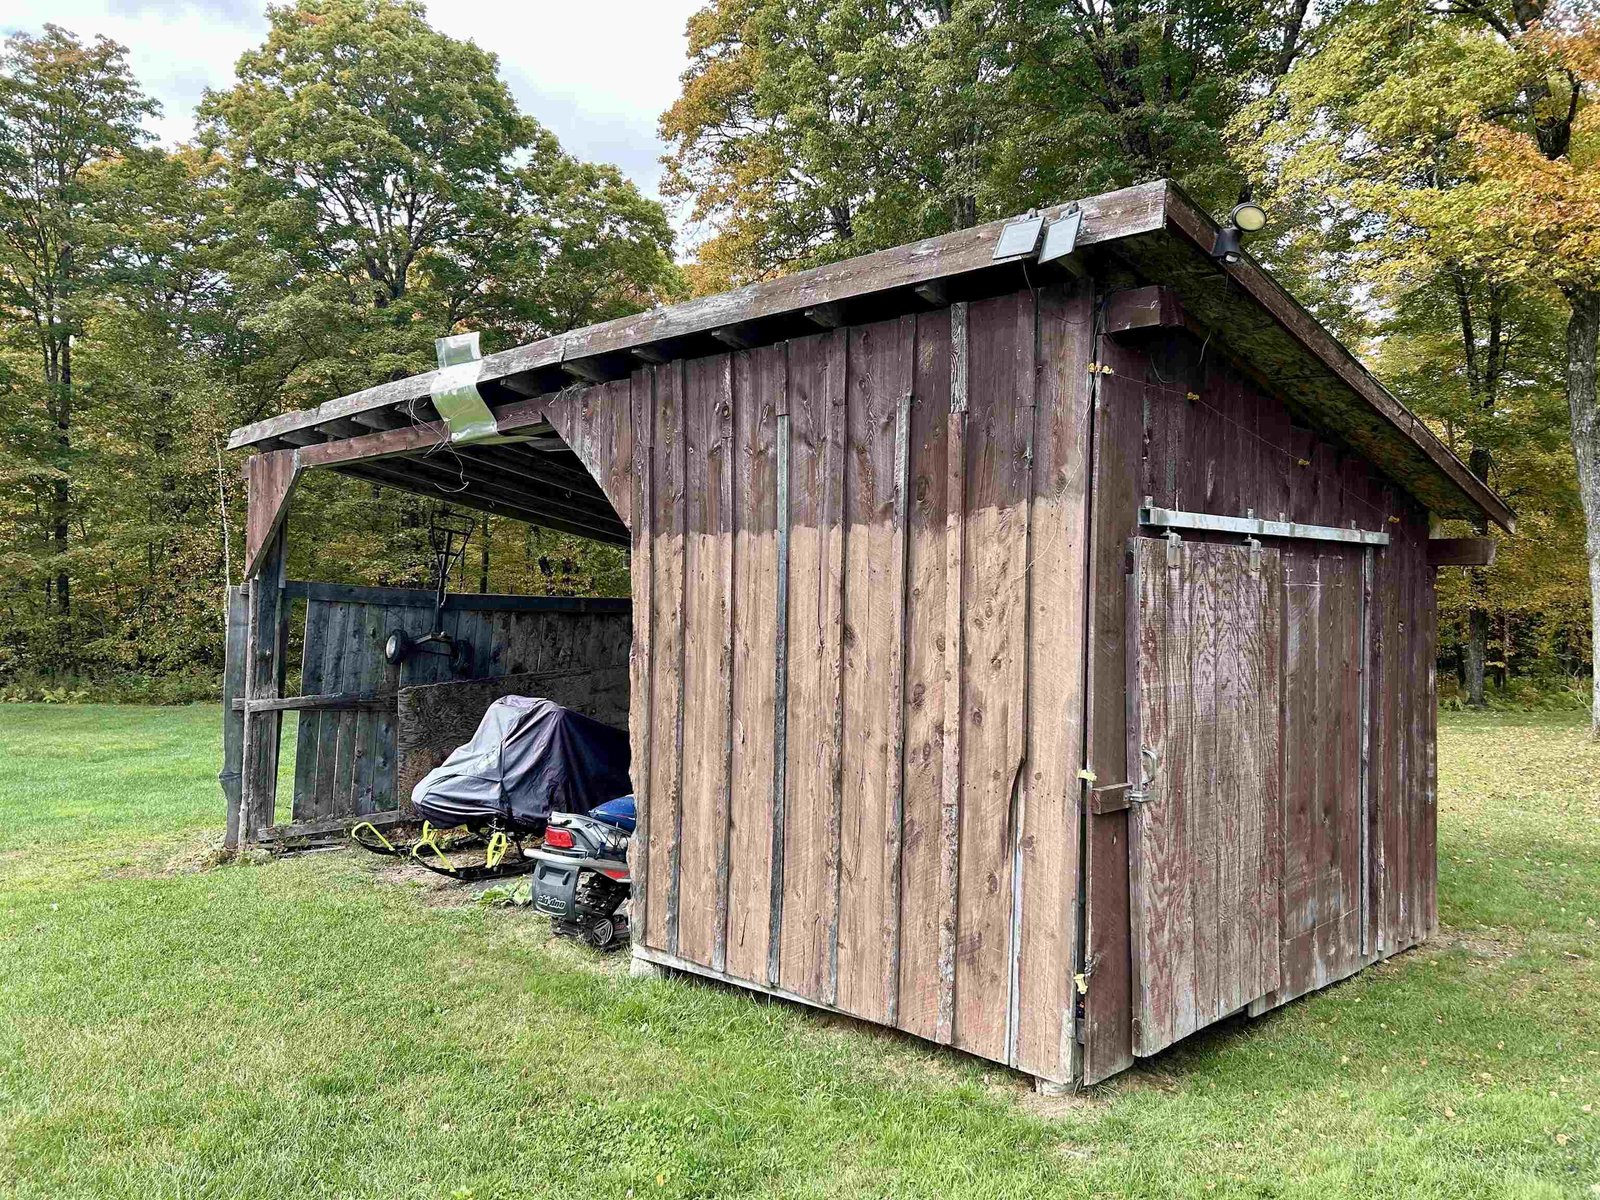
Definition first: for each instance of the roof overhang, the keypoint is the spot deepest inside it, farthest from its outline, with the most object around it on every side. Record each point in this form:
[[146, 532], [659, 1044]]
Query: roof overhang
[[1154, 229]]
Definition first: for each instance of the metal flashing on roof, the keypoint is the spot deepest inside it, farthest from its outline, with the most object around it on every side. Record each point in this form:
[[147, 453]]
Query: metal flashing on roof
[[455, 392]]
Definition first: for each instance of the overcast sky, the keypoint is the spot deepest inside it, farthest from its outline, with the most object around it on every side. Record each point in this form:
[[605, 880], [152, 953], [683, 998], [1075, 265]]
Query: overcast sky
[[596, 72]]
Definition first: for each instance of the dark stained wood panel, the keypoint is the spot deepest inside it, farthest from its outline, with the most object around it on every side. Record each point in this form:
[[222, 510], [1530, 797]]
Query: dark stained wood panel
[[666, 656], [707, 620], [1206, 699], [816, 570], [1046, 895], [1120, 400], [923, 898], [641, 656], [759, 384], [994, 657], [597, 425], [877, 435]]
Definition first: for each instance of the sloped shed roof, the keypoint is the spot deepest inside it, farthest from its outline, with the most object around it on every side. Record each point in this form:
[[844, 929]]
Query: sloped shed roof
[[1152, 232]]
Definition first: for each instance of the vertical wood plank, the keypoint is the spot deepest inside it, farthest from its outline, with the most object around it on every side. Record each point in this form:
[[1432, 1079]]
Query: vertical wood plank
[[335, 619], [641, 658], [924, 897], [1119, 419], [1270, 739], [707, 563], [758, 383], [1057, 599], [816, 424], [879, 387], [780, 681], [1162, 911], [235, 654], [666, 656], [954, 669], [994, 611], [308, 725], [264, 673]]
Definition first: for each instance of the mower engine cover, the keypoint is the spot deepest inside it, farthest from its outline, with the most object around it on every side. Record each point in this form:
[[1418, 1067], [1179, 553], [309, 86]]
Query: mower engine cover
[[530, 757]]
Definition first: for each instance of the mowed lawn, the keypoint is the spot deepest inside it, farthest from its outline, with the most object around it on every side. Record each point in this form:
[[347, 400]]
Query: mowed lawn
[[320, 1027]]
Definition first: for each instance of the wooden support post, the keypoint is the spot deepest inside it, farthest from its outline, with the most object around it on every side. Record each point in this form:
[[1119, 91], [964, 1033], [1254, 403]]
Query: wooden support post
[[1461, 552], [955, 569], [264, 672], [233, 673], [269, 482]]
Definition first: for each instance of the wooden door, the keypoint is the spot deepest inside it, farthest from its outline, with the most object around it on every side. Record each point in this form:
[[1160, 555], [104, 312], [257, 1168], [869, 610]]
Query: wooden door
[[1205, 649]]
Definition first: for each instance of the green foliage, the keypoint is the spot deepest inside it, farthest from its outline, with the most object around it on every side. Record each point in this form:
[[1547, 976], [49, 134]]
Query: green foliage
[[1382, 224], [367, 186], [399, 1041], [811, 132]]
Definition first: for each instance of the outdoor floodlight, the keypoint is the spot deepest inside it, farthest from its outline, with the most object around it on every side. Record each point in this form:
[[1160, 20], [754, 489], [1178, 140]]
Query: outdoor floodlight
[[1246, 217]]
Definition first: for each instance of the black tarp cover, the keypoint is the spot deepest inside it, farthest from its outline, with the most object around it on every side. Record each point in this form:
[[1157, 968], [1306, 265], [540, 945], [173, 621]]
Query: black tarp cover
[[529, 757]]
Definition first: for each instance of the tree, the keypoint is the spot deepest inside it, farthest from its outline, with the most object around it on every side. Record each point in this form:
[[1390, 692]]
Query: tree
[[1379, 188], [808, 132], [1539, 197], [67, 110], [390, 190]]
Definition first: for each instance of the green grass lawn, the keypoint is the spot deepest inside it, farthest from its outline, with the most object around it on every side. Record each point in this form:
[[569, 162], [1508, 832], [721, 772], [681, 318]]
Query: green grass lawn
[[317, 1026]]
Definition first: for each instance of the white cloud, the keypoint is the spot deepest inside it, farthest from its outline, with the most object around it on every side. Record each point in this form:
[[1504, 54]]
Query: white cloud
[[597, 73]]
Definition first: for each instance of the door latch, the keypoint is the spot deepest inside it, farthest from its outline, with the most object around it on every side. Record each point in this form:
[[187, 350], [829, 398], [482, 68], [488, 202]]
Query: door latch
[[1114, 797]]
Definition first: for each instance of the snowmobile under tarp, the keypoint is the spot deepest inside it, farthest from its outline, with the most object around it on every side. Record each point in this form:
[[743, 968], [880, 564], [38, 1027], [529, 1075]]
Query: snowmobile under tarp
[[529, 758]]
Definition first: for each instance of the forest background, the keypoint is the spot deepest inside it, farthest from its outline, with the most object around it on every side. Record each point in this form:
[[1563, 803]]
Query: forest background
[[367, 184]]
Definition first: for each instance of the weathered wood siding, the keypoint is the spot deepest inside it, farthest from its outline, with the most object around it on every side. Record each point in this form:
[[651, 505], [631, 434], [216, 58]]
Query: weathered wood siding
[[433, 719], [858, 667], [1354, 846], [1204, 904], [345, 762]]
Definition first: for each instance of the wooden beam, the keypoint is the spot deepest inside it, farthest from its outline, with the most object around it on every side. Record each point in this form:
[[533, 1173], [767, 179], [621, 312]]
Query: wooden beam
[[264, 674], [269, 483], [383, 418], [329, 825], [372, 473], [1461, 552], [1145, 308], [233, 673], [458, 476], [328, 701], [827, 316], [390, 597], [590, 370], [736, 338], [540, 467], [384, 444], [1107, 217]]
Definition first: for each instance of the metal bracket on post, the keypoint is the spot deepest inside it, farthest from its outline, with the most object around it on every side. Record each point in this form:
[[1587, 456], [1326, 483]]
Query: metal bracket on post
[[1255, 554], [1149, 762], [1174, 549]]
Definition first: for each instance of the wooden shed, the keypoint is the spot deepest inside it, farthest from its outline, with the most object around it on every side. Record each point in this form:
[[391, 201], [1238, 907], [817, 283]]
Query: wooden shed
[[1032, 628]]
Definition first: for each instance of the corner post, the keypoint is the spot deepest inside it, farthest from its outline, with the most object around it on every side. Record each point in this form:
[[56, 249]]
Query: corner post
[[265, 630]]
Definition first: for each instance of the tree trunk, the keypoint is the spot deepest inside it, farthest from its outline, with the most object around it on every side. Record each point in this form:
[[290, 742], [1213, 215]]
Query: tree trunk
[[1583, 342], [1477, 648], [1475, 654], [483, 558], [61, 489]]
